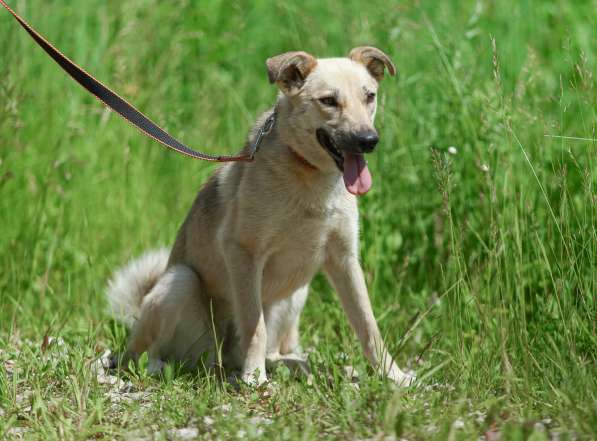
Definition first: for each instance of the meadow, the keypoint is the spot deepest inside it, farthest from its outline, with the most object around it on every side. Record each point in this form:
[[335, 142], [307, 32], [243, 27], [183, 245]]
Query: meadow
[[479, 237]]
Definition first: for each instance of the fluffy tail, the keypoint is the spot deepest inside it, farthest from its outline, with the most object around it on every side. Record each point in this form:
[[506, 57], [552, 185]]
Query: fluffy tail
[[132, 282]]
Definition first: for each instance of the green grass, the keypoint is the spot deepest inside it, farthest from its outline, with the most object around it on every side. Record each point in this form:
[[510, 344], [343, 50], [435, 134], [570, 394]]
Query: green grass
[[481, 264]]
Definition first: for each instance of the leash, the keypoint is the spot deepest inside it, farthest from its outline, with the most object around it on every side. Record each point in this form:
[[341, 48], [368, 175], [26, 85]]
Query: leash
[[127, 110]]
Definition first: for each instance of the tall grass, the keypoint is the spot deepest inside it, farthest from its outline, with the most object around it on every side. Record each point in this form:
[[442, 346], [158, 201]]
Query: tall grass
[[479, 238]]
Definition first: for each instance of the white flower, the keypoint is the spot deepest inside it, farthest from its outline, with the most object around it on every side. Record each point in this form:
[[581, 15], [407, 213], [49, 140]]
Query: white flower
[[458, 424]]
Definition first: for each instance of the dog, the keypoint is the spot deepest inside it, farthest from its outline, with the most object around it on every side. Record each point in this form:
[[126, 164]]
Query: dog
[[237, 277]]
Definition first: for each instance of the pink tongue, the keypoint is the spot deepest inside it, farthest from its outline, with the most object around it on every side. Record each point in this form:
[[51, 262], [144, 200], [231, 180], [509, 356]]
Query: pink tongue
[[356, 174]]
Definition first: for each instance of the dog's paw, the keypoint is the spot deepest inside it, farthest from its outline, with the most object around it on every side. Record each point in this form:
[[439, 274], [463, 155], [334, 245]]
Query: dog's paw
[[237, 380], [254, 378], [296, 363], [402, 379]]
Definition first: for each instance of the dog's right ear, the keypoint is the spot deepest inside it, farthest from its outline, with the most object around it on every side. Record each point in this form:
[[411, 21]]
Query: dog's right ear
[[289, 70]]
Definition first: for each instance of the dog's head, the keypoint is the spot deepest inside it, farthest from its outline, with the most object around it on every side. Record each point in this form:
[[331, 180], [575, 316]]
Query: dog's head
[[331, 105]]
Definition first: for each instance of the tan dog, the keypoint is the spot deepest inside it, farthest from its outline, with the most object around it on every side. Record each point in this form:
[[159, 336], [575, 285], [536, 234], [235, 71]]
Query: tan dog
[[237, 277]]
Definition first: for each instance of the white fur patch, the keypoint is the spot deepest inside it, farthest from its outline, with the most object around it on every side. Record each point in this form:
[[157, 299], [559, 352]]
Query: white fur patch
[[132, 282]]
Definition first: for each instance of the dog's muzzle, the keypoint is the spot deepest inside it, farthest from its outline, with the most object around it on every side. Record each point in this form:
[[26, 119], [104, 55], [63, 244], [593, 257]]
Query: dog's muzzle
[[357, 143]]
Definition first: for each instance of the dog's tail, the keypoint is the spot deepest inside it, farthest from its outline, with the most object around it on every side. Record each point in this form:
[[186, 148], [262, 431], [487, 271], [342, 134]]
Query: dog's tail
[[132, 282]]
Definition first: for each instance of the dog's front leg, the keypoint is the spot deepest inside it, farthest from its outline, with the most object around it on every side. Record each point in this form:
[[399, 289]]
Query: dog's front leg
[[346, 276], [245, 272]]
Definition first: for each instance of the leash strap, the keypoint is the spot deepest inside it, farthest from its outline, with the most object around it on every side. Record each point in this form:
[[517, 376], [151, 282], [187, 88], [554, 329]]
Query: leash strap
[[127, 110]]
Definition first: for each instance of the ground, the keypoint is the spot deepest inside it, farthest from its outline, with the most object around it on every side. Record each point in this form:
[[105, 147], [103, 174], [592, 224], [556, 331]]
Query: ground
[[479, 237]]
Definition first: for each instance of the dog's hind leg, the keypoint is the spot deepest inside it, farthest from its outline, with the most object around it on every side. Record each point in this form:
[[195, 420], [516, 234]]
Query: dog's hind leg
[[172, 321]]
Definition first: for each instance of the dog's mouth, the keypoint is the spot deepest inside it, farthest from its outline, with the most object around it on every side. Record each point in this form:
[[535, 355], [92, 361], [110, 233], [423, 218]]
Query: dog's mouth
[[329, 146], [353, 166]]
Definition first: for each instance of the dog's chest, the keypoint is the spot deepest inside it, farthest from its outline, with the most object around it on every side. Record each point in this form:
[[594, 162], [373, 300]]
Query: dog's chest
[[297, 255]]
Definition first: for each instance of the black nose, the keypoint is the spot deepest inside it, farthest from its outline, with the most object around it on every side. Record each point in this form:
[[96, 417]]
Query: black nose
[[367, 140]]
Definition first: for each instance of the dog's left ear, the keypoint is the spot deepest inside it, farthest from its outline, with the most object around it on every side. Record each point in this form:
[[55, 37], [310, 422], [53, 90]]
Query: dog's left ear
[[374, 60], [289, 70]]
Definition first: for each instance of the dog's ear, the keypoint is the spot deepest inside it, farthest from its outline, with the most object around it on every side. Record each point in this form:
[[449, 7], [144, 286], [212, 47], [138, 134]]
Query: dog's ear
[[289, 70], [374, 60]]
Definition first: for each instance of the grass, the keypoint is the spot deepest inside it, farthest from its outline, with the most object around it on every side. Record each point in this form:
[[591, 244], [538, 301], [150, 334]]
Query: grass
[[479, 238]]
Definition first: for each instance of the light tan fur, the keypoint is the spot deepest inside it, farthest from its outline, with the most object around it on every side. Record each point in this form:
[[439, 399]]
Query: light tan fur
[[238, 274]]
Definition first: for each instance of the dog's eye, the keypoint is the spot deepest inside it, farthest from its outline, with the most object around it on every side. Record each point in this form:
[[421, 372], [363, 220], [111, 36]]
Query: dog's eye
[[370, 97], [329, 101]]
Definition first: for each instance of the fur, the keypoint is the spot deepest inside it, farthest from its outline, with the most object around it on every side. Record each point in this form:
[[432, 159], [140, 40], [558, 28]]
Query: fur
[[131, 283]]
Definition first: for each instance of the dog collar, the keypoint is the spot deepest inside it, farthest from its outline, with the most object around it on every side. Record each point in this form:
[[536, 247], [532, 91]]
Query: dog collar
[[300, 158]]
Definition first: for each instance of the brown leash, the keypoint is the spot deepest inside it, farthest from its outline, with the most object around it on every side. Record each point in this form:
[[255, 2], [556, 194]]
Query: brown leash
[[127, 110]]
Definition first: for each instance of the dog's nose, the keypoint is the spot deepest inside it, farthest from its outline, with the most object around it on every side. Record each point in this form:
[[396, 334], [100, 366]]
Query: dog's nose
[[367, 140]]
